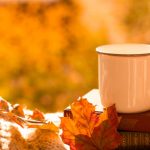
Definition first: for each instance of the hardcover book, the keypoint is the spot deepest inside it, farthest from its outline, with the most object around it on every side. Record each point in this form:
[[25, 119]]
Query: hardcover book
[[135, 128]]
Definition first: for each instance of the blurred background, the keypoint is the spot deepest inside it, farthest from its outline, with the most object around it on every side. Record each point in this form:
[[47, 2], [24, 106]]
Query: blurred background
[[47, 47]]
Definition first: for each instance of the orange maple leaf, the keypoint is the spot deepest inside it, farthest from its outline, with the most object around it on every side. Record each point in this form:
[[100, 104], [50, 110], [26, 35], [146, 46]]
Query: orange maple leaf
[[4, 105], [18, 110], [89, 131], [37, 115]]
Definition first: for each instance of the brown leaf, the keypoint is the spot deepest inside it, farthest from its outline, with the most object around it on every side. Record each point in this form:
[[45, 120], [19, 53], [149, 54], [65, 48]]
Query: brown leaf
[[18, 110], [50, 126], [11, 117], [37, 115], [4, 105], [89, 131]]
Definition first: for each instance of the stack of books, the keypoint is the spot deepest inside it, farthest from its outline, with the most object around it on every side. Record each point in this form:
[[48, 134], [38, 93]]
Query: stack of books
[[134, 127]]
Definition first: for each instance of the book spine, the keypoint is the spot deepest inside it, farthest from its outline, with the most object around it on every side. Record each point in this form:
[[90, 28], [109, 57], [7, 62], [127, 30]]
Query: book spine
[[135, 140]]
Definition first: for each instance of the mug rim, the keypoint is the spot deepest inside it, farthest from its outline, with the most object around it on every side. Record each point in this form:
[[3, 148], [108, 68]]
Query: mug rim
[[124, 49]]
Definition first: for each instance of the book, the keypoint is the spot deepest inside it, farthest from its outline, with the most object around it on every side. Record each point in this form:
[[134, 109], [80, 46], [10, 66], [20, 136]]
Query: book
[[135, 122], [135, 140], [134, 128]]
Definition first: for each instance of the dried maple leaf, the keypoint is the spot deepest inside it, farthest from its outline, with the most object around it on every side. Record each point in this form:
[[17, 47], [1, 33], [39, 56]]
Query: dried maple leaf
[[37, 115], [89, 131], [18, 110], [11, 117], [4, 105], [45, 126]]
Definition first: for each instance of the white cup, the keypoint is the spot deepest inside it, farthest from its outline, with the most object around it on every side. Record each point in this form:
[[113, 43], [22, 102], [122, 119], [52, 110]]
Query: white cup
[[124, 76]]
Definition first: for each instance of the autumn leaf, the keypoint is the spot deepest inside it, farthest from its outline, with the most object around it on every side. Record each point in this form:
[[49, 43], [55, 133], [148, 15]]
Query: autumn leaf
[[9, 116], [37, 115], [4, 105], [49, 126], [45, 126], [89, 131], [18, 110]]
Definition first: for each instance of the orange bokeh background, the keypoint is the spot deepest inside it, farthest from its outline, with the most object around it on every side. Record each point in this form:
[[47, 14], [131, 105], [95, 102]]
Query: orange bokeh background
[[47, 48]]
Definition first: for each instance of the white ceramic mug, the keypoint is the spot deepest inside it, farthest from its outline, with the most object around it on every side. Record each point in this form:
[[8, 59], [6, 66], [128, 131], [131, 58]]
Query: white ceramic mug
[[124, 76]]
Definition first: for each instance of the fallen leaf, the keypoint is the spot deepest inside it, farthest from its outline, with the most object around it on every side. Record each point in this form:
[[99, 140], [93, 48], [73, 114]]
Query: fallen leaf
[[37, 115], [45, 126], [11, 117], [18, 110], [19, 121], [89, 131], [4, 105]]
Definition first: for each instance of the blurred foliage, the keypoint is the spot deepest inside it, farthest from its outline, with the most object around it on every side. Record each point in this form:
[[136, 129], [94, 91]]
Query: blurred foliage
[[47, 49]]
